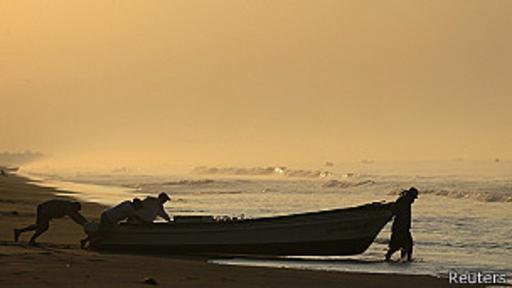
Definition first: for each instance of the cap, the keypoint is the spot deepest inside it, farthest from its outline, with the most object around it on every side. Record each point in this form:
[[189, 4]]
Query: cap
[[164, 196], [413, 192]]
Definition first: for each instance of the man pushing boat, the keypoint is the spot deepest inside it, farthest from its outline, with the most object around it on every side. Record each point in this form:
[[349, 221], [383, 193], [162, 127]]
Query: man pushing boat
[[111, 217], [48, 211], [401, 238], [152, 207]]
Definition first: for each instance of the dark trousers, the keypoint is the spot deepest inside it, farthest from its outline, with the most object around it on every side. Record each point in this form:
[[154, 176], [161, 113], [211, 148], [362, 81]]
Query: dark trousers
[[105, 228], [401, 240], [42, 224]]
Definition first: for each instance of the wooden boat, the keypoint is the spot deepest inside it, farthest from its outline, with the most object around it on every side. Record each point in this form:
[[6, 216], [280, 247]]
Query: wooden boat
[[346, 231]]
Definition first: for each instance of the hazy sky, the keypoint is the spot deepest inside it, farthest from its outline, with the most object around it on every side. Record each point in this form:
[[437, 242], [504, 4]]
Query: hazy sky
[[256, 82]]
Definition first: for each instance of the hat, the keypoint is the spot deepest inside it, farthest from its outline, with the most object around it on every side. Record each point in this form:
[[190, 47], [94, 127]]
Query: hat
[[164, 196], [413, 192]]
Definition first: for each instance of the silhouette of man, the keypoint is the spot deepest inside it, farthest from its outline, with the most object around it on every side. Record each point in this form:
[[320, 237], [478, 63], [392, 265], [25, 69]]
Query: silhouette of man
[[47, 211], [401, 237], [151, 208], [110, 219]]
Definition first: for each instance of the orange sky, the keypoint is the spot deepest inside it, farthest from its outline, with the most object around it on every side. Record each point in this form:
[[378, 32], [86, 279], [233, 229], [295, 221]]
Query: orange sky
[[256, 82]]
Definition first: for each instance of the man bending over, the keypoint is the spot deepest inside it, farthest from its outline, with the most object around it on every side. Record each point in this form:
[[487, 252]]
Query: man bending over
[[110, 219], [47, 211]]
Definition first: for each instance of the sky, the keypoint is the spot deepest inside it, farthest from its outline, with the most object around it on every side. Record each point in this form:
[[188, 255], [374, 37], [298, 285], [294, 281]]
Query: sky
[[256, 82]]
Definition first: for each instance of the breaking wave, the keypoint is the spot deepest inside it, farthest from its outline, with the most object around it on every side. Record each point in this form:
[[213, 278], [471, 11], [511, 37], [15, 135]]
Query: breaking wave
[[261, 171], [461, 194], [150, 186], [188, 182], [346, 184]]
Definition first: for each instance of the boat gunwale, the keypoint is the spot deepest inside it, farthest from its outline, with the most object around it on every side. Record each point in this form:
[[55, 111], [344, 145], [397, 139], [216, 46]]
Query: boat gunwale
[[267, 222]]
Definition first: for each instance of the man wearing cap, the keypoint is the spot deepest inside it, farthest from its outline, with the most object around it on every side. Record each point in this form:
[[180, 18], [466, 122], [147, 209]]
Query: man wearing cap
[[401, 237], [151, 208]]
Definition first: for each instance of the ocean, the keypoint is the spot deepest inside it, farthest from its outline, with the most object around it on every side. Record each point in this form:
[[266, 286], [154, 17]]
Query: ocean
[[461, 221]]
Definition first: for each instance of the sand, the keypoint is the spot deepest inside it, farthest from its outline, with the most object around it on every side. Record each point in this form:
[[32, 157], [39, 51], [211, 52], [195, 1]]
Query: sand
[[59, 262]]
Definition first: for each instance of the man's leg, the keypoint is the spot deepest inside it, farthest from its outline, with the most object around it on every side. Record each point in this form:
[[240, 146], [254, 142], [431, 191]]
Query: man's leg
[[103, 232], [410, 244], [41, 228], [17, 232], [39, 219], [394, 245], [390, 252]]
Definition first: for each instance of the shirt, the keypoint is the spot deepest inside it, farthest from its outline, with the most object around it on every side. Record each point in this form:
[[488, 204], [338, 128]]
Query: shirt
[[151, 208], [59, 208], [55, 208], [120, 212], [402, 212]]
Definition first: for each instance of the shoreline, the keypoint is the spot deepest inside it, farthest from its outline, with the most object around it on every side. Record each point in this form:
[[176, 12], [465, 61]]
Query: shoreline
[[59, 262]]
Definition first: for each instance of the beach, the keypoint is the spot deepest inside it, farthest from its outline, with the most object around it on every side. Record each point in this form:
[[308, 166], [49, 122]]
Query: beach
[[59, 261]]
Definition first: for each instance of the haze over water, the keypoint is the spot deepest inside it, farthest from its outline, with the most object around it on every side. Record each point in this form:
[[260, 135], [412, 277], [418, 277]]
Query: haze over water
[[255, 82]]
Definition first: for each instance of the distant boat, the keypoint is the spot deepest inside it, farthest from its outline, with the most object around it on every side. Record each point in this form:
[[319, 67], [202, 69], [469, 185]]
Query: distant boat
[[346, 231]]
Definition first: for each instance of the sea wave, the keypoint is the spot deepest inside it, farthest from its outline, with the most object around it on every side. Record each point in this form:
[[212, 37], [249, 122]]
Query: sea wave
[[346, 184], [261, 171], [188, 182], [486, 196], [154, 186], [219, 192]]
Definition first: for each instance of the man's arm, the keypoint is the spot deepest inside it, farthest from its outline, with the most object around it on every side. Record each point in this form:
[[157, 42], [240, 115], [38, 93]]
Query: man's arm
[[77, 217], [163, 214]]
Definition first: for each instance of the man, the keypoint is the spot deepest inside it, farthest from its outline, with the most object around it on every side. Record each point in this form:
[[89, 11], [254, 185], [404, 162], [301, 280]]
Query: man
[[111, 217], [47, 211], [401, 237], [151, 208]]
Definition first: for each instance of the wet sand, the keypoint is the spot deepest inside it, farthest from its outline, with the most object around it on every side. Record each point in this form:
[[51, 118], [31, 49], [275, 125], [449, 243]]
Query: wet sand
[[59, 262]]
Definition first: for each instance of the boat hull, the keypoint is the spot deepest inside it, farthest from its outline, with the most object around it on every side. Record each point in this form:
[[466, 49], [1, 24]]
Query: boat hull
[[335, 247], [335, 232]]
